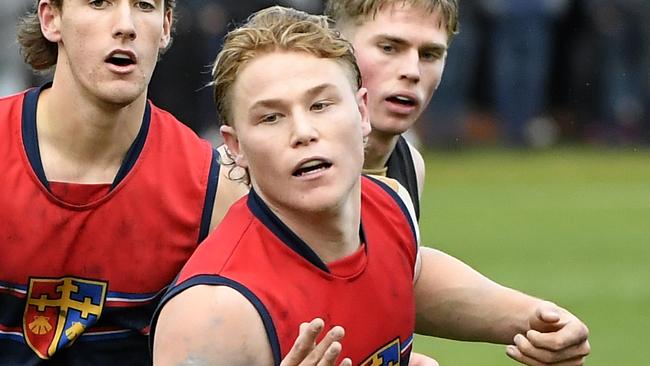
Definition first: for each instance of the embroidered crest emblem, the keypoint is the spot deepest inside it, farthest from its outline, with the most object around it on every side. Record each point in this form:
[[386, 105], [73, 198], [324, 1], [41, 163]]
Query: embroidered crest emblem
[[58, 310]]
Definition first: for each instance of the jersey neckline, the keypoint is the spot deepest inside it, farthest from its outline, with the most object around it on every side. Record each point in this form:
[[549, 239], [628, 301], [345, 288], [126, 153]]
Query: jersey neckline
[[32, 150]]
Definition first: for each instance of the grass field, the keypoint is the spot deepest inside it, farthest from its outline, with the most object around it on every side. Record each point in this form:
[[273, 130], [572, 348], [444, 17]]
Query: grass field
[[571, 225]]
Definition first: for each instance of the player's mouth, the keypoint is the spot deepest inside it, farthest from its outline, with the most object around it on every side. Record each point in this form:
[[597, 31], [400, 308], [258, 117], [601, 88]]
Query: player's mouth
[[311, 167], [402, 103], [121, 60]]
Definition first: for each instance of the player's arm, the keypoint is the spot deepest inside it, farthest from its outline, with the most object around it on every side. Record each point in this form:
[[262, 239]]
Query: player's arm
[[455, 301], [216, 325], [418, 164], [210, 325]]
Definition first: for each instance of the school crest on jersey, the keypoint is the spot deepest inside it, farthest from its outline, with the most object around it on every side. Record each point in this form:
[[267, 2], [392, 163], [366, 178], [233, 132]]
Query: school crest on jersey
[[58, 310], [389, 355], [392, 354]]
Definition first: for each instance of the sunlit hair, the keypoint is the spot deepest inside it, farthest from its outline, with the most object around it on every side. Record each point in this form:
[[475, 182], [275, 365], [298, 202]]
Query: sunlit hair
[[270, 30], [356, 12], [276, 29], [37, 51]]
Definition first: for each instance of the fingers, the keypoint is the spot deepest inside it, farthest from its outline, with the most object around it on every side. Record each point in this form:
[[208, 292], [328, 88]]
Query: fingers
[[305, 342], [528, 353], [305, 351], [546, 318], [571, 334], [331, 354], [328, 350], [514, 353]]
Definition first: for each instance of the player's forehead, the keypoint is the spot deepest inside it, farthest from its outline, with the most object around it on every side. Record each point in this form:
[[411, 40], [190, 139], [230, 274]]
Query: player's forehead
[[281, 76], [404, 23]]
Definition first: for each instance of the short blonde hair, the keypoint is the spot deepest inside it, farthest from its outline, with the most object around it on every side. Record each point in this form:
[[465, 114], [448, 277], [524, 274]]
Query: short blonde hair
[[277, 29], [356, 12]]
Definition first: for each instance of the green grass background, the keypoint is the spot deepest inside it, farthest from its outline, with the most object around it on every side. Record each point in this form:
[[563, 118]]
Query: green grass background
[[571, 225]]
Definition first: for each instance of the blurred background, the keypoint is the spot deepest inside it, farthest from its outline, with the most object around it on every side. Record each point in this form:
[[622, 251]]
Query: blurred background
[[536, 145]]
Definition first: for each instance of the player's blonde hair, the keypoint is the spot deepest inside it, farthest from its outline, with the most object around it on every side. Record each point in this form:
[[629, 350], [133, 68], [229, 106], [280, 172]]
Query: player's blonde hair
[[277, 29], [355, 12], [37, 51]]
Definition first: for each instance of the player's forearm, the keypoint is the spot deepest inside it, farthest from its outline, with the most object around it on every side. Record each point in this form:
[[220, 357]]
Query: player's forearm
[[454, 301]]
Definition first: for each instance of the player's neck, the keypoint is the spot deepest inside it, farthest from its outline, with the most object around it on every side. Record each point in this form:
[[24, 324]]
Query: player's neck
[[378, 150], [332, 234], [80, 139]]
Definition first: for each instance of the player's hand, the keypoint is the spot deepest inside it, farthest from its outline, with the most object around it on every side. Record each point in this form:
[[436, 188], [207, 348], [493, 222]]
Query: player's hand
[[305, 351], [418, 359], [555, 337]]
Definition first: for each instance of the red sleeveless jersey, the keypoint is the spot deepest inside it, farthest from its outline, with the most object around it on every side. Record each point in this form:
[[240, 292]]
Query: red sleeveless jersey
[[369, 293], [79, 281]]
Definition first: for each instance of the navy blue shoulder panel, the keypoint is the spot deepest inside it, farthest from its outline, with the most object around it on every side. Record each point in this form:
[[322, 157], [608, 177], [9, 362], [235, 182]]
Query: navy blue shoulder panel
[[288, 237], [399, 202], [210, 195], [136, 148], [216, 280], [30, 137]]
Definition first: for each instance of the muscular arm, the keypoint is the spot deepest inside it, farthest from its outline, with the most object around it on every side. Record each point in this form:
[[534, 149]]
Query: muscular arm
[[454, 301], [210, 325]]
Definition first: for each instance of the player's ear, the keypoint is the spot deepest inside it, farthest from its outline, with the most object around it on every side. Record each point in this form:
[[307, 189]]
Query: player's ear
[[229, 135], [50, 18], [362, 104], [166, 37]]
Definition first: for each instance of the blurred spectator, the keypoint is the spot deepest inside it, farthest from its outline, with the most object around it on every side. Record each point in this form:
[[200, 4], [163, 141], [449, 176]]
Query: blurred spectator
[[621, 52], [443, 123], [13, 73], [520, 54]]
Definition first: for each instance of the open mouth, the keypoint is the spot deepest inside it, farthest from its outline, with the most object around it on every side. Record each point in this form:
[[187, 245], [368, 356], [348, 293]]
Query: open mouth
[[121, 59], [402, 100], [311, 166]]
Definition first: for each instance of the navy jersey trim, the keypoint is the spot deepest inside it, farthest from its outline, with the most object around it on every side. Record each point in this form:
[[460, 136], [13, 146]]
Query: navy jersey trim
[[400, 167], [217, 280], [400, 203], [277, 227], [30, 137], [210, 195], [136, 148]]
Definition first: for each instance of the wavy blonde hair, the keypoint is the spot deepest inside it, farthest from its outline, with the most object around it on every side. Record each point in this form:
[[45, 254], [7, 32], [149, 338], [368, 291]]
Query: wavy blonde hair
[[277, 29]]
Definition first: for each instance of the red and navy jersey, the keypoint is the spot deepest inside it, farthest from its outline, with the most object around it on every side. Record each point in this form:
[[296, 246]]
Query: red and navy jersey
[[369, 293], [79, 279]]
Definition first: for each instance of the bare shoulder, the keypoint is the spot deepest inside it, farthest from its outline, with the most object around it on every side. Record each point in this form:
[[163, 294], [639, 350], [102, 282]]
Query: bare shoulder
[[210, 325], [418, 164]]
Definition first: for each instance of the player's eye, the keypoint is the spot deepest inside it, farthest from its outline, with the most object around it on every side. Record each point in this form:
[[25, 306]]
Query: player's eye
[[98, 4], [387, 47], [319, 106], [145, 5], [270, 118]]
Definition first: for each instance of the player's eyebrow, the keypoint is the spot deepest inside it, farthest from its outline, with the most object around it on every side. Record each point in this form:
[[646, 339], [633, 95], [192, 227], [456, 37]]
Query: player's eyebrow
[[429, 46], [276, 102]]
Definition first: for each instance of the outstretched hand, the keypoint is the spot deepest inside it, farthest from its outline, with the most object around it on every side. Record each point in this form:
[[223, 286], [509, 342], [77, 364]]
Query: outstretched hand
[[555, 337], [305, 351]]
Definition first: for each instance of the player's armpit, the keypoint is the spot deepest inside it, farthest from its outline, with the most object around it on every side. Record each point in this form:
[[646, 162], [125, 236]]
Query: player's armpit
[[211, 325]]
